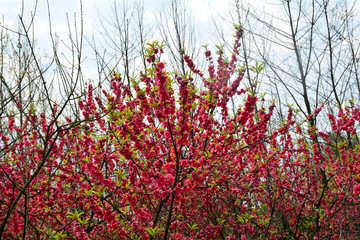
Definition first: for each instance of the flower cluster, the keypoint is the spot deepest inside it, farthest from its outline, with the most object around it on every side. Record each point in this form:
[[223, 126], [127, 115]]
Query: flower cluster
[[166, 160]]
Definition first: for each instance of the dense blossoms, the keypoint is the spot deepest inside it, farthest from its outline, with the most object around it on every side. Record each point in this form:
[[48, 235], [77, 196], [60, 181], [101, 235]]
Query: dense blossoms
[[164, 159]]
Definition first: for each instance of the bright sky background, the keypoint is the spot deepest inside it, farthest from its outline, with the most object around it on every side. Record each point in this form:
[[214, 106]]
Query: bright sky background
[[10, 10], [203, 12]]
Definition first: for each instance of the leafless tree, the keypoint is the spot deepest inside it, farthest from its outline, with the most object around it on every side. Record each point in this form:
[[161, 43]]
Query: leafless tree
[[310, 50], [122, 41], [175, 24]]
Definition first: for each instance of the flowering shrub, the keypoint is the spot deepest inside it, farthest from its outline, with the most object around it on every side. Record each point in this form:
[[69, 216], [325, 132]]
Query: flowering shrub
[[171, 161]]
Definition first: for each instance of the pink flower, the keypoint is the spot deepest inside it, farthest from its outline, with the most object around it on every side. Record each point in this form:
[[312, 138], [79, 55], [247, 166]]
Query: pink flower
[[152, 154], [161, 65], [122, 233], [336, 236], [208, 53], [170, 179], [157, 194], [356, 189]]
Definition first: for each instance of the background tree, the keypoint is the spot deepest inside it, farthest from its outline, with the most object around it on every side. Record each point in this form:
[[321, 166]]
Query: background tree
[[310, 50], [179, 33], [123, 35]]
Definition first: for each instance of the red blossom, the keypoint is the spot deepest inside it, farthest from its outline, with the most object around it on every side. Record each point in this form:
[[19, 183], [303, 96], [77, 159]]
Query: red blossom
[[208, 53], [170, 161], [161, 65]]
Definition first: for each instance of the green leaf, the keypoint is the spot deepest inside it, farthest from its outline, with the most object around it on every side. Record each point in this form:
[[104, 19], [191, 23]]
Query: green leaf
[[193, 226], [205, 46], [152, 231]]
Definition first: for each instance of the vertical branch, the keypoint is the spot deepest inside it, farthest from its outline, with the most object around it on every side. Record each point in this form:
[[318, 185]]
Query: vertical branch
[[25, 216], [329, 38], [299, 61], [19, 46], [180, 38]]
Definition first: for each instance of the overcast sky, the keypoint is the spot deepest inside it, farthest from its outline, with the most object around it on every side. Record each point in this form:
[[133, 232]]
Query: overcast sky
[[203, 11], [11, 9]]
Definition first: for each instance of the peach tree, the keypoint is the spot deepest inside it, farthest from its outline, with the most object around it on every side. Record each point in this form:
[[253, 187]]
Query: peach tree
[[166, 158]]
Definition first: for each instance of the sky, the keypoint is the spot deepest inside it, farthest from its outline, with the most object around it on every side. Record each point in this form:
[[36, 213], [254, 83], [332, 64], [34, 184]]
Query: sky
[[11, 9], [203, 12], [60, 10], [93, 10]]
